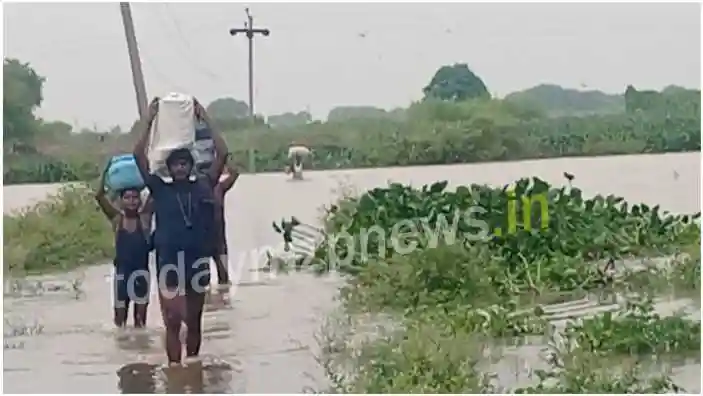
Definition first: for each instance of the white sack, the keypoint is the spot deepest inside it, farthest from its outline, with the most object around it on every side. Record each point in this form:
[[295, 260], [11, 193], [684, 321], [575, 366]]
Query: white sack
[[173, 128], [298, 150]]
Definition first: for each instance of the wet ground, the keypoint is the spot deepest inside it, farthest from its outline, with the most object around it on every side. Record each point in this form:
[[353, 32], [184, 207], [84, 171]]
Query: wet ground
[[262, 340]]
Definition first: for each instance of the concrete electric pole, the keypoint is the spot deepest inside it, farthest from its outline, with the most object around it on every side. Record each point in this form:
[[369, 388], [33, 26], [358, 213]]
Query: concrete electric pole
[[134, 59], [250, 32]]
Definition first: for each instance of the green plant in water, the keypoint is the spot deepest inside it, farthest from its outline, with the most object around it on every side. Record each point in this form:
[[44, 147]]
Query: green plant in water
[[496, 321], [636, 329], [600, 227], [574, 370], [686, 274], [463, 290], [423, 358]]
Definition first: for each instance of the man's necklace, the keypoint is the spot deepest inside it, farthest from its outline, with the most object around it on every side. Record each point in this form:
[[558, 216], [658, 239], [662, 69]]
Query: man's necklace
[[189, 205]]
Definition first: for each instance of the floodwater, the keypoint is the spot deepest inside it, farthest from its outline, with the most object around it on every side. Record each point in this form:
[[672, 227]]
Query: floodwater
[[263, 339]]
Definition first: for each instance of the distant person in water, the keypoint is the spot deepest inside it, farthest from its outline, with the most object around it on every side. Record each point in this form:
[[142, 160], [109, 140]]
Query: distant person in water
[[131, 222], [296, 156], [220, 251], [184, 212]]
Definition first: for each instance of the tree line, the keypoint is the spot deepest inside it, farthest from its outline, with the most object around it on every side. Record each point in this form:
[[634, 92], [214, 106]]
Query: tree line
[[457, 121]]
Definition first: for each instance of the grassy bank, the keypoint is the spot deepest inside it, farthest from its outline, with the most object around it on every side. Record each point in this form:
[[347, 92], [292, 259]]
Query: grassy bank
[[63, 232], [431, 132], [454, 306]]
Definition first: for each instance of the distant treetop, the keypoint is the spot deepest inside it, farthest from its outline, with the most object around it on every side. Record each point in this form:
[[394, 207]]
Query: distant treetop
[[456, 83]]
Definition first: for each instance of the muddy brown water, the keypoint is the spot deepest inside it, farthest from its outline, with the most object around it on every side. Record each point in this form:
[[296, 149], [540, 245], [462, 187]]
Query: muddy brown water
[[263, 340]]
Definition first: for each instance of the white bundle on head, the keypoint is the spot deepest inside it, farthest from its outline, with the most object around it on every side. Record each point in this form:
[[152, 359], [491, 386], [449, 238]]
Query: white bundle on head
[[173, 128]]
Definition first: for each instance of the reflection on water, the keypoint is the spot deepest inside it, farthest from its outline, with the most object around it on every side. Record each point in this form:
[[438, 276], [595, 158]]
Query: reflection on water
[[137, 378], [266, 331], [216, 301], [135, 339], [193, 377]]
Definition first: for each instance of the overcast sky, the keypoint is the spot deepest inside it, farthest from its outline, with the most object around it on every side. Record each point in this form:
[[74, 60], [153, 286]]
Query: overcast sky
[[324, 55]]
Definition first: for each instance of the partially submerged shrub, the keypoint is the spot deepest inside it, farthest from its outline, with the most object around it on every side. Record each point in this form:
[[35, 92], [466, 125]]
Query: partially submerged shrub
[[420, 359], [446, 269], [459, 276], [436, 353], [503, 218], [63, 232], [581, 358], [637, 329], [452, 288], [686, 274], [585, 373]]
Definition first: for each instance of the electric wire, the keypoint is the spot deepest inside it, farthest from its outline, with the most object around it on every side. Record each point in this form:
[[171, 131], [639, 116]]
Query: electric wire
[[186, 45]]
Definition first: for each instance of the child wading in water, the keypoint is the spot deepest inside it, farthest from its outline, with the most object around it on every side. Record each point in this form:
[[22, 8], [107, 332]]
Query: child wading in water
[[131, 223]]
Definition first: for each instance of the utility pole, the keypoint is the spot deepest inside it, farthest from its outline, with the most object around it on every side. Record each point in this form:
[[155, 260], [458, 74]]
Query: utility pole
[[250, 32], [134, 59]]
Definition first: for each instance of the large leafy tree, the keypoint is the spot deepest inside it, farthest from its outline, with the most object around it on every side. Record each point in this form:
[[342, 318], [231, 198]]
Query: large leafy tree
[[289, 119], [558, 101], [346, 113], [672, 101], [228, 109], [456, 83], [22, 94], [232, 114]]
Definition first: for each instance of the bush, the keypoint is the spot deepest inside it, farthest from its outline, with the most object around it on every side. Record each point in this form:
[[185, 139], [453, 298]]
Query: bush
[[40, 169], [431, 132], [420, 359], [66, 231], [579, 372], [518, 232], [453, 292], [432, 354], [449, 133], [636, 330]]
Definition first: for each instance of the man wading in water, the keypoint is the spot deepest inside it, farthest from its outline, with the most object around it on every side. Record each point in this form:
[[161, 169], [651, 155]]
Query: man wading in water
[[184, 210], [296, 157], [132, 225], [220, 254]]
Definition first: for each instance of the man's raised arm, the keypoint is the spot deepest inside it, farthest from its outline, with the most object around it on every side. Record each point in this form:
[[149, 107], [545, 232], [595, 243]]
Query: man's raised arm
[[142, 130]]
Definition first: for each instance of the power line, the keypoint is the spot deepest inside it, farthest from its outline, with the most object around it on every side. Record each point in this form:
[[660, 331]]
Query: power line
[[187, 45], [161, 75]]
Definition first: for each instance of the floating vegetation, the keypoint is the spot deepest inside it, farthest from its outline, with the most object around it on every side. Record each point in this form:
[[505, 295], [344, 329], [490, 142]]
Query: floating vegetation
[[562, 272]]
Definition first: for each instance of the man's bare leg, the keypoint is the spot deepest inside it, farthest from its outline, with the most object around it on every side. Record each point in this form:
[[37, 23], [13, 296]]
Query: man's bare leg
[[222, 270], [194, 320], [172, 311]]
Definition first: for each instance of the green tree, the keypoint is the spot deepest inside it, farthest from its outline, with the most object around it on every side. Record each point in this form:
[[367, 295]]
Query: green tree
[[558, 101], [22, 94], [672, 101], [55, 128], [227, 109], [346, 113], [641, 100], [289, 119], [457, 83]]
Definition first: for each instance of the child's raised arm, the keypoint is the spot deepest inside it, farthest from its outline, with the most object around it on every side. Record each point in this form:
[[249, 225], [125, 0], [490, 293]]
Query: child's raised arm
[[104, 203]]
